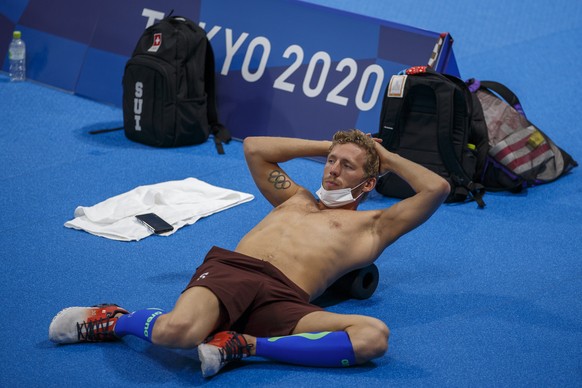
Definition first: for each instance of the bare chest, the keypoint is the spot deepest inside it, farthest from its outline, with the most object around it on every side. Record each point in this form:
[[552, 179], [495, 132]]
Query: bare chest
[[311, 246], [305, 225]]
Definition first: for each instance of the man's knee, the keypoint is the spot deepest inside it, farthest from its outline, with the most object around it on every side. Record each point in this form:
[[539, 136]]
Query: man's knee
[[173, 331], [370, 339], [380, 334], [196, 314]]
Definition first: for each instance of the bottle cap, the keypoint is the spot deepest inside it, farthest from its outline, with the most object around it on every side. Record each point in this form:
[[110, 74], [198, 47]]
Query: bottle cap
[[16, 34]]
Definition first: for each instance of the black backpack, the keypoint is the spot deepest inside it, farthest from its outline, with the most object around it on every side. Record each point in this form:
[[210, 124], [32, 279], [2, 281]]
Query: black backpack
[[519, 155], [429, 118], [169, 97]]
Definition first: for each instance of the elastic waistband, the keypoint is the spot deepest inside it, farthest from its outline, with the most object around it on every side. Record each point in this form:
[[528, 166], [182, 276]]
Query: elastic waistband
[[233, 258]]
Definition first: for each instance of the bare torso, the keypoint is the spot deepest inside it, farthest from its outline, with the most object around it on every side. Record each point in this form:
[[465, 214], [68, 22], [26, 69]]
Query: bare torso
[[312, 246]]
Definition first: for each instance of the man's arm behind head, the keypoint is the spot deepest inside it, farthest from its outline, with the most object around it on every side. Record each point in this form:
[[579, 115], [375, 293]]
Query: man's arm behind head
[[263, 155], [431, 191]]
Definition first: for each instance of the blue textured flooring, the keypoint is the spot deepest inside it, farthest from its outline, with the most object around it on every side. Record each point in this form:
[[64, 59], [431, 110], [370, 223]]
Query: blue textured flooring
[[473, 297]]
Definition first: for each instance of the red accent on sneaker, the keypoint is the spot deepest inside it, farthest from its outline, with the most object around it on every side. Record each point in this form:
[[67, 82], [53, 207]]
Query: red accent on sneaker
[[221, 349], [99, 326]]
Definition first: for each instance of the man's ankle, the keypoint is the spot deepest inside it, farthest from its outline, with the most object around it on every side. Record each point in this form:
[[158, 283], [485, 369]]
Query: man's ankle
[[252, 343]]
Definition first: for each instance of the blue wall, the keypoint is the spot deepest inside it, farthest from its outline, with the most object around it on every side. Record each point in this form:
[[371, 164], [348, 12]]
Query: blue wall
[[270, 57]]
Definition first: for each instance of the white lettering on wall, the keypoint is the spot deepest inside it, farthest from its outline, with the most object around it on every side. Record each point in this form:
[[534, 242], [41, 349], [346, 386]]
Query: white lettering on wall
[[246, 71], [152, 16], [317, 68], [231, 49]]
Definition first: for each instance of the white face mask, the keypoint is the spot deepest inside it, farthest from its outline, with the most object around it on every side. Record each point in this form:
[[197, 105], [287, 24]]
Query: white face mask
[[339, 197]]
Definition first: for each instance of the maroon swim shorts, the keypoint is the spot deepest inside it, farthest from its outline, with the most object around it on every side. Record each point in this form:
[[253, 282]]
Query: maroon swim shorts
[[258, 298]]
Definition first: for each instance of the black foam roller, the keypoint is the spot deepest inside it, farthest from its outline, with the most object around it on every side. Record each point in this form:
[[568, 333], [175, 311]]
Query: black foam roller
[[358, 284]]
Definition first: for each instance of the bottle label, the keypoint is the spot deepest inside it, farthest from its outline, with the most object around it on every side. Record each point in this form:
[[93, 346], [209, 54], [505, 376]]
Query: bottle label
[[17, 53]]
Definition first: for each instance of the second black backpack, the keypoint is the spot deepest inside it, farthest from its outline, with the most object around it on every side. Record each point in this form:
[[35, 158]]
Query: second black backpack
[[428, 118], [168, 87]]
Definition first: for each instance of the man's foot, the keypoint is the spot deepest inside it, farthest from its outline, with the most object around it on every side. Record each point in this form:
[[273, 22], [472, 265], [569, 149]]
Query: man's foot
[[219, 350], [85, 324]]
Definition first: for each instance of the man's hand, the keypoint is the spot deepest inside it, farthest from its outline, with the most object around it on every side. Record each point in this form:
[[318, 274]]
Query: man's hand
[[384, 156]]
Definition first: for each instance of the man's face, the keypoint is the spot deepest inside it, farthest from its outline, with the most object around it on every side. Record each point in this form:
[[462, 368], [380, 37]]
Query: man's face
[[344, 167]]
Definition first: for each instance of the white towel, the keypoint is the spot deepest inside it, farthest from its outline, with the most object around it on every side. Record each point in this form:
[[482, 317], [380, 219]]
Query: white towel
[[178, 202]]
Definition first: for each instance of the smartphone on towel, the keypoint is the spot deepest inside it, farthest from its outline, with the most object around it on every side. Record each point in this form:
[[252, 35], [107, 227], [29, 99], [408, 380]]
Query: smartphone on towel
[[155, 223]]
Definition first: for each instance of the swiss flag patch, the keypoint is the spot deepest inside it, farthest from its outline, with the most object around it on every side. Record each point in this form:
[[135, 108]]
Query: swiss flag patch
[[157, 43]]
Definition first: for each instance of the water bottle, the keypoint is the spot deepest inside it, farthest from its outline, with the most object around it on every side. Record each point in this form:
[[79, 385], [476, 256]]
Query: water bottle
[[17, 54]]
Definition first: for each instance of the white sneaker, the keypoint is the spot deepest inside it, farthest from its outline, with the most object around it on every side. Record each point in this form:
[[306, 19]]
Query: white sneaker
[[219, 350], [85, 324]]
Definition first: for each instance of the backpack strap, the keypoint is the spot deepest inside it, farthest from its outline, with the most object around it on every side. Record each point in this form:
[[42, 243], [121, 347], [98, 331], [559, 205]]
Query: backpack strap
[[447, 151], [392, 107], [500, 89], [104, 130], [220, 132], [391, 111]]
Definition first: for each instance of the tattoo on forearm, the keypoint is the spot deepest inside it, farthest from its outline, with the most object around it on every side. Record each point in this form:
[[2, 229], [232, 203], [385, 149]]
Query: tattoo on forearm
[[279, 180]]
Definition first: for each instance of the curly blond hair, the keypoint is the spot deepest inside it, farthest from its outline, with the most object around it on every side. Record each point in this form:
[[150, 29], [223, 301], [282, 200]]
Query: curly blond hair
[[365, 142]]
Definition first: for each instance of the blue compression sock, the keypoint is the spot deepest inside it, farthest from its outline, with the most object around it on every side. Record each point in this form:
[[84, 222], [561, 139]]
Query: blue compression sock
[[140, 323], [325, 349]]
